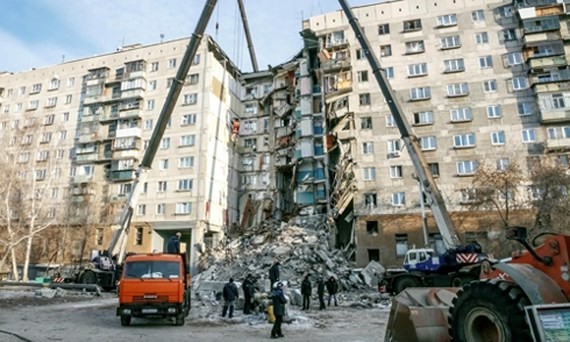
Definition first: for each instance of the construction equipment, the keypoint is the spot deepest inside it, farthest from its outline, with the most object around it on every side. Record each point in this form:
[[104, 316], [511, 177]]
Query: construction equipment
[[523, 299], [422, 267], [107, 277]]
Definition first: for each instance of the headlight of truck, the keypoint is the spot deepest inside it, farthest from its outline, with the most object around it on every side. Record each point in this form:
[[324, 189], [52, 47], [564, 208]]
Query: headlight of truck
[[171, 310], [127, 311]]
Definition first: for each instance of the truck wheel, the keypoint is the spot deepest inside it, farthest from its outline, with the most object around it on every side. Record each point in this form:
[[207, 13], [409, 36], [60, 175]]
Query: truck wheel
[[489, 311], [180, 319], [88, 277], [405, 282], [461, 280], [125, 320]]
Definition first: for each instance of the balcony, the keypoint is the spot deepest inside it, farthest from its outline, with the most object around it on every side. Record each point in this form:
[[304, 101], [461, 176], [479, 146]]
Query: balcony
[[130, 113], [552, 77], [283, 131], [128, 132], [336, 64], [87, 157], [105, 155], [87, 137], [132, 93], [124, 154], [542, 24], [121, 176], [548, 61], [558, 144], [82, 179], [553, 116], [89, 118], [532, 39]]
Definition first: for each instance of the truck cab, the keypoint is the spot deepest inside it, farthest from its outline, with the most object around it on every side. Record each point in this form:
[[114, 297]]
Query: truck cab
[[154, 286], [422, 259]]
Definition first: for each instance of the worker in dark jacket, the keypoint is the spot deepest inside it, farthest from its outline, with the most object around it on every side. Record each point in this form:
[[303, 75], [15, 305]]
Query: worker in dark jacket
[[248, 291], [230, 294], [321, 293], [306, 291], [332, 289], [173, 246], [274, 273], [279, 301]]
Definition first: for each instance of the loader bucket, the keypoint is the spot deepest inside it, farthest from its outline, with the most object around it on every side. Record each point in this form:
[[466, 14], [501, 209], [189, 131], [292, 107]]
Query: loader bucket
[[420, 314]]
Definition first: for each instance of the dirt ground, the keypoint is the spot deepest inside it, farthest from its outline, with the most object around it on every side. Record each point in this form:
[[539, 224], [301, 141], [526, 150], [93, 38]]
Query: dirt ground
[[84, 318]]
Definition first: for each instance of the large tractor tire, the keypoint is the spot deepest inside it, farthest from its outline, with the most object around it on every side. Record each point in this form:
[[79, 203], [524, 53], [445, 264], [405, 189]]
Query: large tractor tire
[[125, 320], [462, 279], [404, 282], [489, 311], [180, 319], [88, 277]]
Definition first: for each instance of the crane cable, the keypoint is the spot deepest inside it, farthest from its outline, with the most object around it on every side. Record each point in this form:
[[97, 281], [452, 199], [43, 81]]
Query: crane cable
[[217, 21]]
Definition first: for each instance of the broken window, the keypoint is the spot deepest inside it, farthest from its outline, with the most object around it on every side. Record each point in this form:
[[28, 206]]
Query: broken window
[[139, 236], [366, 122], [434, 168], [372, 227], [364, 99], [385, 50], [374, 255], [401, 244], [370, 201], [412, 25]]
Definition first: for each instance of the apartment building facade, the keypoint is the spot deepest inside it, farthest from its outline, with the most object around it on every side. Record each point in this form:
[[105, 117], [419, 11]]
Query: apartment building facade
[[480, 82], [95, 117]]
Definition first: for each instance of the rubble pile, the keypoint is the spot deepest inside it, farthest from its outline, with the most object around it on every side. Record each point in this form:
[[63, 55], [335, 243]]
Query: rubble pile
[[301, 246]]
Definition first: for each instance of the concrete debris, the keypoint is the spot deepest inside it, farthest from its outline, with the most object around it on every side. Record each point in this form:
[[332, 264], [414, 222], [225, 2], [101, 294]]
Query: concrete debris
[[301, 246], [45, 293]]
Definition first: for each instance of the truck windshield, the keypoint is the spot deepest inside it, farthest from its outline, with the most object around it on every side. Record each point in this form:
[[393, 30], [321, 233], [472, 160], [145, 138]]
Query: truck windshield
[[152, 269]]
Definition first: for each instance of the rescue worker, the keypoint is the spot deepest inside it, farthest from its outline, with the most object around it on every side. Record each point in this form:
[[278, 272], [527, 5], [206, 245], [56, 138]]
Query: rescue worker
[[332, 289], [248, 291], [173, 246], [279, 301], [306, 291], [321, 292], [274, 273], [230, 294]]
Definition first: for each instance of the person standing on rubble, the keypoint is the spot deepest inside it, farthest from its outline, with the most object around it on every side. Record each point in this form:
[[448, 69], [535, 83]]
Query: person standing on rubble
[[248, 291], [332, 289], [279, 301], [321, 293], [173, 246], [230, 294], [306, 291], [274, 273]]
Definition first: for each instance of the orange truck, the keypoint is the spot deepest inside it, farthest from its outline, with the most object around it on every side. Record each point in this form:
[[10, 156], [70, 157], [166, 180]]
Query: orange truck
[[154, 286]]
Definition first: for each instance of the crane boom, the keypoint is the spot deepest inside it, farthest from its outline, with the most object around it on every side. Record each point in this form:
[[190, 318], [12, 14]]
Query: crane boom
[[248, 36], [427, 183], [119, 236]]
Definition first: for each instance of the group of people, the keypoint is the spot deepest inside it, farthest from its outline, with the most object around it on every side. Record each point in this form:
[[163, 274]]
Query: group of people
[[230, 294]]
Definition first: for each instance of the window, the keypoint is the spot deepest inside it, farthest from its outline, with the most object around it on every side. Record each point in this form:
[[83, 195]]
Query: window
[[192, 79], [370, 200], [524, 108], [18, 107], [428, 143], [149, 104], [36, 88], [171, 64], [364, 99], [369, 173], [494, 111], [65, 117], [362, 76], [196, 59], [417, 46], [423, 118], [490, 86], [154, 66], [385, 50], [528, 135], [359, 53], [125, 189], [502, 164], [33, 105], [160, 209], [394, 146], [183, 208], [148, 124], [162, 186], [398, 199], [366, 122], [390, 121], [71, 82], [468, 196], [520, 83], [453, 65], [46, 138], [478, 16], [141, 209], [464, 140], [486, 62], [450, 42], [185, 185], [419, 69], [188, 119], [368, 147], [481, 38], [498, 138], [99, 236], [163, 164], [186, 162], [447, 20], [401, 244], [188, 140], [506, 11], [508, 35], [62, 135], [422, 93], [139, 234], [457, 89], [412, 25], [165, 143], [372, 227], [434, 168], [49, 119], [396, 171], [60, 154], [152, 85], [383, 29], [190, 99], [389, 71], [68, 99], [466, 167]]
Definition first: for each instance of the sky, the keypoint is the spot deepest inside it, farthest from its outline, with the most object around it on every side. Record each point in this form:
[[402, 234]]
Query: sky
[[40, 33]]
